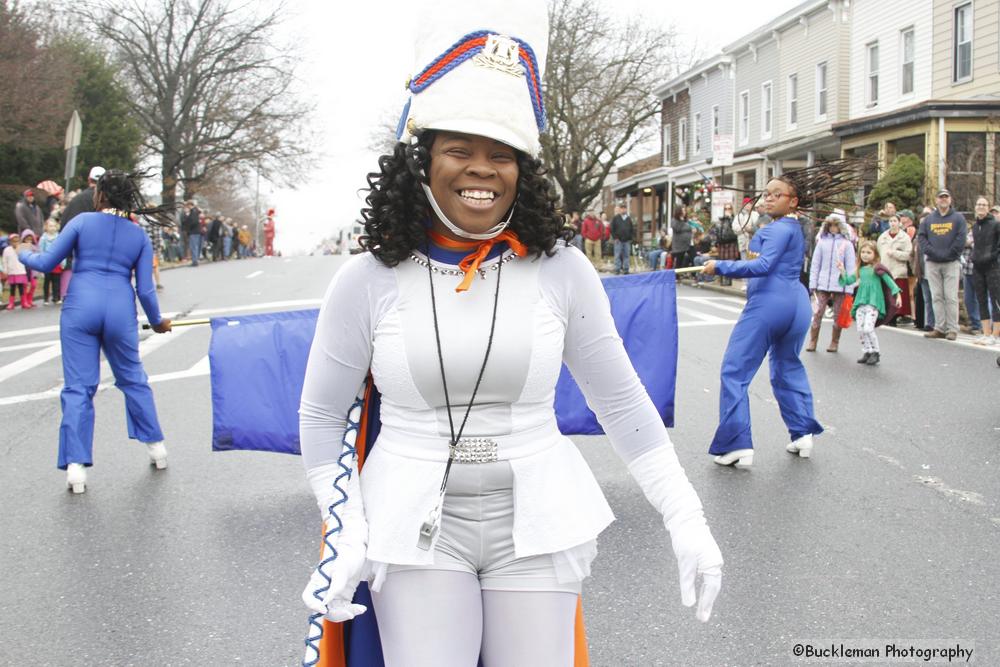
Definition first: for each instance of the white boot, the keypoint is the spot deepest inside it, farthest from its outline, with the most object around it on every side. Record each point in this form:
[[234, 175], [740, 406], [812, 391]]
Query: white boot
[[157, 454], [76, 477], [743, 458], [802, 446]]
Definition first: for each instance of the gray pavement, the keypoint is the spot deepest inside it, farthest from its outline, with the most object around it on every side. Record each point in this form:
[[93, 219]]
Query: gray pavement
[[890, 531]]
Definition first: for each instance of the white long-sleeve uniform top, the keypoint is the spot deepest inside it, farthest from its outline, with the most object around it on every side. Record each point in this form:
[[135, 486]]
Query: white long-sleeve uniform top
[[551, 310]]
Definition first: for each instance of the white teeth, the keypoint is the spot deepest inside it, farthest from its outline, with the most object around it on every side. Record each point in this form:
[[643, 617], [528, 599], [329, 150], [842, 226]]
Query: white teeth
[[478, 194]]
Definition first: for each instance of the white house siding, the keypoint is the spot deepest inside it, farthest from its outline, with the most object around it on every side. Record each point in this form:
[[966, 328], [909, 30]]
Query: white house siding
[[751, 72], [884, 21], [714, 88], [985, 81]]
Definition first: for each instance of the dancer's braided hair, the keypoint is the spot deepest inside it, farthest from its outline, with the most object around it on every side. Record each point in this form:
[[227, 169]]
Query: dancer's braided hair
[[121, 191]]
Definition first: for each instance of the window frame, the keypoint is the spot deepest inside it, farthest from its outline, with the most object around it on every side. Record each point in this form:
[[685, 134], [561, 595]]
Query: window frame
[[696, 132], [955, 44], [768, 111], [792, 110], [824, 92], [912, 32], [716, 120], [744, 111], [682, 144], [668, 144], [872, 74]]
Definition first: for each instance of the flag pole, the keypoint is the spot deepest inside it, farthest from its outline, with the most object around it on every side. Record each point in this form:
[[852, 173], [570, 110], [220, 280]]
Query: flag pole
[[180, 323]]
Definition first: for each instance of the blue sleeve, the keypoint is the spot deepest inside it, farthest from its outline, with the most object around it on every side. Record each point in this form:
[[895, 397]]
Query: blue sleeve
[[773, 239], [145, 288], [57, 252]]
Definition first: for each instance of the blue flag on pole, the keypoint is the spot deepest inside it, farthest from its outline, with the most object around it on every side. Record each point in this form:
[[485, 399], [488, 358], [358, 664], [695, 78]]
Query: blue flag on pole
[[258, 365]]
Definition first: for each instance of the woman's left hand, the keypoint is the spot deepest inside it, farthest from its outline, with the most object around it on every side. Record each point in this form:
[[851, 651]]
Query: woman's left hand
[[899, 301], [709, 268]]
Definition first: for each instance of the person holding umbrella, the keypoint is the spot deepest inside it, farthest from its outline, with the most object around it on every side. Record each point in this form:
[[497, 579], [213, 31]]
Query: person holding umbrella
[[99, 313]]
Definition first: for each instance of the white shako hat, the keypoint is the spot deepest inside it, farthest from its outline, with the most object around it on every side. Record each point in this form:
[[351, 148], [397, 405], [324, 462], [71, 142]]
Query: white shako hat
[[478, 70]]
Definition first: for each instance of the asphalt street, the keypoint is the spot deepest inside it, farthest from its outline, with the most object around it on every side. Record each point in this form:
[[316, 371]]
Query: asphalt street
[[890, 533]]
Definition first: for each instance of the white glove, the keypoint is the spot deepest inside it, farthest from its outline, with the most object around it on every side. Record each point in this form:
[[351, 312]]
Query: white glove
[[350, 543], [662, 479]]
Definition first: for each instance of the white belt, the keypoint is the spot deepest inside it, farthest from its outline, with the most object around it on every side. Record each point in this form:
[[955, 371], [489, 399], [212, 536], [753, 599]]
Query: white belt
[[478, 449]]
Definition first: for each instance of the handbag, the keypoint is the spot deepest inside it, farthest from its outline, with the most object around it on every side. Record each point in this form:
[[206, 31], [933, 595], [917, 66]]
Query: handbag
[[844, 318]]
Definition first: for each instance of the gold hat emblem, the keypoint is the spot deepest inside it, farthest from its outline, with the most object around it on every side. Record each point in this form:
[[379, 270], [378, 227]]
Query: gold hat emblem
[[500, 53]]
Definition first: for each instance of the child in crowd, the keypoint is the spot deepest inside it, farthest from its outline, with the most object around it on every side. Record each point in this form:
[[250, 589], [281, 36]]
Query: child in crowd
[[869, 301], [29, 242], [17, 274], [52, 278]]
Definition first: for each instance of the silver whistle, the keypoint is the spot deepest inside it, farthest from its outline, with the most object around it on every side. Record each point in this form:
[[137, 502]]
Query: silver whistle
[[429, 530]]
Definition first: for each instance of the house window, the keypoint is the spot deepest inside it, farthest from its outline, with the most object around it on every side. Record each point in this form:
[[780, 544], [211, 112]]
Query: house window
[[906, 57], [765, 110], [715, 120], [744, 116], [963, 42], [966, 169], [871, 93], [821, 91], [793, 100], [682, 139], [697, 133], [667, 145]]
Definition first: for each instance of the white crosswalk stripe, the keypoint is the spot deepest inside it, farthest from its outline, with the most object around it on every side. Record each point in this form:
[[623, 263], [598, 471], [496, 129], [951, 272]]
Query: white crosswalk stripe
[[692, 312]]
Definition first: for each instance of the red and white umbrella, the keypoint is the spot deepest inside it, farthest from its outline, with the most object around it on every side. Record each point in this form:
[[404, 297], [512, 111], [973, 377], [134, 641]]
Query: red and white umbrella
[[51, 187]]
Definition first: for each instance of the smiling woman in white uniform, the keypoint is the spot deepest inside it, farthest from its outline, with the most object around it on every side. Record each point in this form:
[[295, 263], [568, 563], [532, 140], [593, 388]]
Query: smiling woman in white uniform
[[474, 518]]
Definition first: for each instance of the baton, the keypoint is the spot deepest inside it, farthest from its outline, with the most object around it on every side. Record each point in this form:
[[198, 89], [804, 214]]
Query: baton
[[689, 269], [180, 323]]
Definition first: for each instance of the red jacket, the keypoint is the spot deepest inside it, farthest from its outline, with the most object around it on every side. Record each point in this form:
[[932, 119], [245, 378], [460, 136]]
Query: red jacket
[[593, 229]]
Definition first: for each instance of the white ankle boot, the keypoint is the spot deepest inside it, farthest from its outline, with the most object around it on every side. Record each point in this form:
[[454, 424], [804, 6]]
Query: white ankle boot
[[76, 477], [802, 446], [742, 458], [157, 454]]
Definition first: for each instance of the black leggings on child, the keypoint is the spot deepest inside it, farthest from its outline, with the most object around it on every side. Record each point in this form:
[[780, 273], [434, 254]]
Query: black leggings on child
[[53, 280]]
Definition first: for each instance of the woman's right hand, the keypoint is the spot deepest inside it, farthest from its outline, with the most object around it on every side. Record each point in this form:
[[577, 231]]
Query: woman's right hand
[[840, 266], [163, 327]]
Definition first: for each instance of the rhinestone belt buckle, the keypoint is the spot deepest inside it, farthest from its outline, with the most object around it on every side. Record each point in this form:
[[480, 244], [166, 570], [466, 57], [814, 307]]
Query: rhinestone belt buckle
[[475, 450]]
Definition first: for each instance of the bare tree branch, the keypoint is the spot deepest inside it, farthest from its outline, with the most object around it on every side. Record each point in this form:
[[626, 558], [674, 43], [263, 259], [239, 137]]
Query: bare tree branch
[[598, 93], [211, 86]]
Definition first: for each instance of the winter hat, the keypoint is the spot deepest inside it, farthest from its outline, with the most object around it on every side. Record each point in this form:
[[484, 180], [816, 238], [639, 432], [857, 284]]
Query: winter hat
[[478, 70], [95, 174], [29, 193]]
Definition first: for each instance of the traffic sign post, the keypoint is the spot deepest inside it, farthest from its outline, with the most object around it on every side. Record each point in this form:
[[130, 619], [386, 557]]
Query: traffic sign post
[[74, 132]]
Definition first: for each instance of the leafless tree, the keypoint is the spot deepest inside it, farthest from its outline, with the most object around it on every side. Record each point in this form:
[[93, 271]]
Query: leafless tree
[[211, 86], [382, 137], [601, 72], [34, 104]]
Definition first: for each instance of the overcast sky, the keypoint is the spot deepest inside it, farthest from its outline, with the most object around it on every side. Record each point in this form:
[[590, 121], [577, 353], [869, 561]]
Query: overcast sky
[[356, 58]]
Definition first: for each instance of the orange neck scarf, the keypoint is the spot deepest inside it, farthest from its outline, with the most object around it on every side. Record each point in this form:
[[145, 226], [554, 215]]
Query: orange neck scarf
[[479, 250]]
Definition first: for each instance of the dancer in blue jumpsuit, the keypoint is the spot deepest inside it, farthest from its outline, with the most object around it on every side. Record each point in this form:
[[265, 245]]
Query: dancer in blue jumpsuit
[[99, 313], [774, 322]]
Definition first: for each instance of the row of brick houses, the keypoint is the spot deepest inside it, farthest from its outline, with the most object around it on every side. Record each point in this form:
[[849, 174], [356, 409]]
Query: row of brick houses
[[831, 78]]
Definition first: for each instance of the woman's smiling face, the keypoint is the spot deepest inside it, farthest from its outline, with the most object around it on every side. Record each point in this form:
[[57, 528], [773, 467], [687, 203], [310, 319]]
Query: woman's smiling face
[[473, 179]]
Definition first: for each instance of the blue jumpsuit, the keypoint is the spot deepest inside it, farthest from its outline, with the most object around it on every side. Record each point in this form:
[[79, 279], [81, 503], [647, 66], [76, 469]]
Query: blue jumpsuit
[[99, 313], [774, 322]]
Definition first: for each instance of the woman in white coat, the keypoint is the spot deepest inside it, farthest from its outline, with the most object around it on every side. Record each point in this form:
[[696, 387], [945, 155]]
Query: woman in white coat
[[894, 249]]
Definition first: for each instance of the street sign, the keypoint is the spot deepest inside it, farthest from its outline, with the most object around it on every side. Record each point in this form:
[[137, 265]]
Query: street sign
[[73, 133], [722, 150]]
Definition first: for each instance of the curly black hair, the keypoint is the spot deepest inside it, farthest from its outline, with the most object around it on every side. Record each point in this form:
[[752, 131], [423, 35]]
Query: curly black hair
[[121, 191], [397, 207]]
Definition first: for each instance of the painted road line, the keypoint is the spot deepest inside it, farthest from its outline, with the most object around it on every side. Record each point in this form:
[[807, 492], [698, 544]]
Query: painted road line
[[31, 361], [700, 316], [29, 332], [713, 302], [254, 274], [27, 346]]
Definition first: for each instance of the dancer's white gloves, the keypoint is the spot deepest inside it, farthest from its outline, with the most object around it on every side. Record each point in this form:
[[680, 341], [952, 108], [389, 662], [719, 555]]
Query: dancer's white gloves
[[351, 545], [662, 479]]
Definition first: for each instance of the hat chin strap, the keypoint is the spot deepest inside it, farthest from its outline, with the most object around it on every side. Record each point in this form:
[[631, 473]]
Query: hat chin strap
[[458, 231]]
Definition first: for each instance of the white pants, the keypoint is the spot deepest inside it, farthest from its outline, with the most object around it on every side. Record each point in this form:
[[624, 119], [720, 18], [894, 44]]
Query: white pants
[[478, 598], [865, 316]]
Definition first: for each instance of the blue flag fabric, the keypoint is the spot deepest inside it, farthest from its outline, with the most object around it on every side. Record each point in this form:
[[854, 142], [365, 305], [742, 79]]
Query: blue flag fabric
[[258, 366]]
